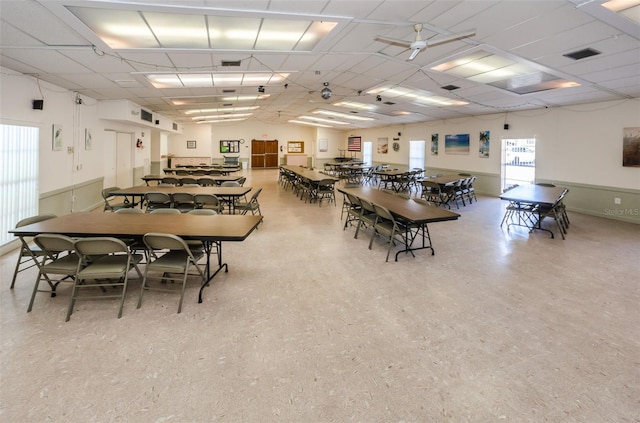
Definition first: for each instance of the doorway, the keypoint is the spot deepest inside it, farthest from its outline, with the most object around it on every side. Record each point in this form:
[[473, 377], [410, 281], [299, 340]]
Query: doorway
[[518, 161], [124, 152], [264, 153]]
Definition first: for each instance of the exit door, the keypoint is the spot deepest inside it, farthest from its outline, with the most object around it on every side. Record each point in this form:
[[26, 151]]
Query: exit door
[[264, 153]]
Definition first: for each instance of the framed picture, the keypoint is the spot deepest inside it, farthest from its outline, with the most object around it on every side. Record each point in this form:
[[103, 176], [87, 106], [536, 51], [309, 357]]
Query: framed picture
[[631, 147], [484, 144], [87, 139], [323, 145], [295, 147], [383, 145], [191, 144], [456, 144], [434, 144], [354, 143], [57, 137]]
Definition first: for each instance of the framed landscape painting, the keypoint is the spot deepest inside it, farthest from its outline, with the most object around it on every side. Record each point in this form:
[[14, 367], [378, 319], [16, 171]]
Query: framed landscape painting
[[631, 147], [456, 144]]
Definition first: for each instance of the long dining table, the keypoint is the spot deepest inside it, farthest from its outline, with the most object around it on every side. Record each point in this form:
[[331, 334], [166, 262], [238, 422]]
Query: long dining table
[[412, 213], [526, 203], [228, 194], [216, 178], [210, 230]]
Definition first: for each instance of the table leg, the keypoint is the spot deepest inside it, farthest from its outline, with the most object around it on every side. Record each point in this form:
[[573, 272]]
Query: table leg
[[207, 249]]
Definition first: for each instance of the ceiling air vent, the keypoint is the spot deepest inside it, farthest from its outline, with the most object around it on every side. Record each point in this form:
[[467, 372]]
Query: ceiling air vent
[[581, 54], [228, 91], [230, 63], [450, 87], [388, 103]]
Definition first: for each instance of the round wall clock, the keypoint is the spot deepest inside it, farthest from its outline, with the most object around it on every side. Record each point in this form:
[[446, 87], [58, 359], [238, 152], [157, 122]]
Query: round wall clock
[[396, 146]]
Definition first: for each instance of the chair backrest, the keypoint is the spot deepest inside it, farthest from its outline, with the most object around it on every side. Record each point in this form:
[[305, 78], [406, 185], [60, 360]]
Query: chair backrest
[[367, 205], [230, 184], [130, 210], [162, 241], [242, 180], [205, 212], [355, 201], [165, 211], [95, 246], [188, 180], [383, 212], [106, 193], [34, 219], [182, 197], [207, 182], [157, 197], [256, 193], [54, 243], [431, 186], [206, 199], [170, 180]]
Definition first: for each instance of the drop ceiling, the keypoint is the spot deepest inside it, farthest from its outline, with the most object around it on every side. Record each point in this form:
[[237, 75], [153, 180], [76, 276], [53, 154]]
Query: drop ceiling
[[269, 61]]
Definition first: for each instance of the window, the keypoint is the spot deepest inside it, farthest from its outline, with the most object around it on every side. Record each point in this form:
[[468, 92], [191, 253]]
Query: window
[[18, 176], [518, 161], [367, 153], [416, 154]]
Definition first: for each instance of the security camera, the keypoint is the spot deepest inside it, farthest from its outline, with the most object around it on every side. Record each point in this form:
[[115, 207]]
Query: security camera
[[326, 93], [378, 98]]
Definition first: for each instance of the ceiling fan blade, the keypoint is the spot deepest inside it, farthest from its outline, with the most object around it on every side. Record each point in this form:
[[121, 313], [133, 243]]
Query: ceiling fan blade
[[451, 38], [394, 41], [414, 53]]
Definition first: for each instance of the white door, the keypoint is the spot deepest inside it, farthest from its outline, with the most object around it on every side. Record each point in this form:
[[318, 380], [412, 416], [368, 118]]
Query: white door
[[124, 171]]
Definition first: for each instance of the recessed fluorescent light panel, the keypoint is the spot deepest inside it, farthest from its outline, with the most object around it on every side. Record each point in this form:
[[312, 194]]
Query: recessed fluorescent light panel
[[630, 9], [342, 115], [318, 119], [209, 99], [220, 110], [310, 123], [417, 97], [209, 80], [502, 72], [128, 28]]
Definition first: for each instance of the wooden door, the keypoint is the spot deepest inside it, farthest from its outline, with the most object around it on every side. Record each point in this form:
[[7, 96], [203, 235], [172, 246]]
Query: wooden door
[[264, 153], [271, 153], [257, 153]]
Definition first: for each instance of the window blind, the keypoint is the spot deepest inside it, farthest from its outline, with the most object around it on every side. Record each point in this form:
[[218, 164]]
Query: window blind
[[19, 154]]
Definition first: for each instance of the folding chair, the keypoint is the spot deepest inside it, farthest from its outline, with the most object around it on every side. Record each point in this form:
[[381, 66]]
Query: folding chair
[[178, 259], [28, 254], [100, 259]]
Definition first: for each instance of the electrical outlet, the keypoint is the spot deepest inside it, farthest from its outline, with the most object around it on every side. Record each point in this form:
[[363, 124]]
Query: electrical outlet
[[616, 200]]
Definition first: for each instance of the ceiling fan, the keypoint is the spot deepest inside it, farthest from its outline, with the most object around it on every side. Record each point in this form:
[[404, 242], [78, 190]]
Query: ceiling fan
[[419, 44]]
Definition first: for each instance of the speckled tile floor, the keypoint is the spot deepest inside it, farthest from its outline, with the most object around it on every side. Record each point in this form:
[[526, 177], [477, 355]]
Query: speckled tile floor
[[311, 326]]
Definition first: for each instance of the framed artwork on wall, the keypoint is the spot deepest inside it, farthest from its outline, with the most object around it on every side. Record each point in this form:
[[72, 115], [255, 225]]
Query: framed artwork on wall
[[191, 144], [383, 145], [88, 141], [456, 144], [434, 144], [483, 149], [354, 144], [56, 140], [631, 147]]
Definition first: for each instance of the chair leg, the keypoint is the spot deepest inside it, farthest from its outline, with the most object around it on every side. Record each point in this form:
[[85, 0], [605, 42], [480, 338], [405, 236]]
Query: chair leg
[[72, 301], [35, 290]]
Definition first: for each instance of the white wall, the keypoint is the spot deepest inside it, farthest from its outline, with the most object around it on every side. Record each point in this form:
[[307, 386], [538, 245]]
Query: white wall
[[74, 164], [580, 144]]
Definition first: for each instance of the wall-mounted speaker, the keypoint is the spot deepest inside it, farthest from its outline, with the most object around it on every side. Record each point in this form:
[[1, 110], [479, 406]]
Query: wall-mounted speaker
[[37, 104], [157, 122], [506, 126]]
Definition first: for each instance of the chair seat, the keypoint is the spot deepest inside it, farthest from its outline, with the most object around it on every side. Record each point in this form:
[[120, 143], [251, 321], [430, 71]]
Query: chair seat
[[106, 267]]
